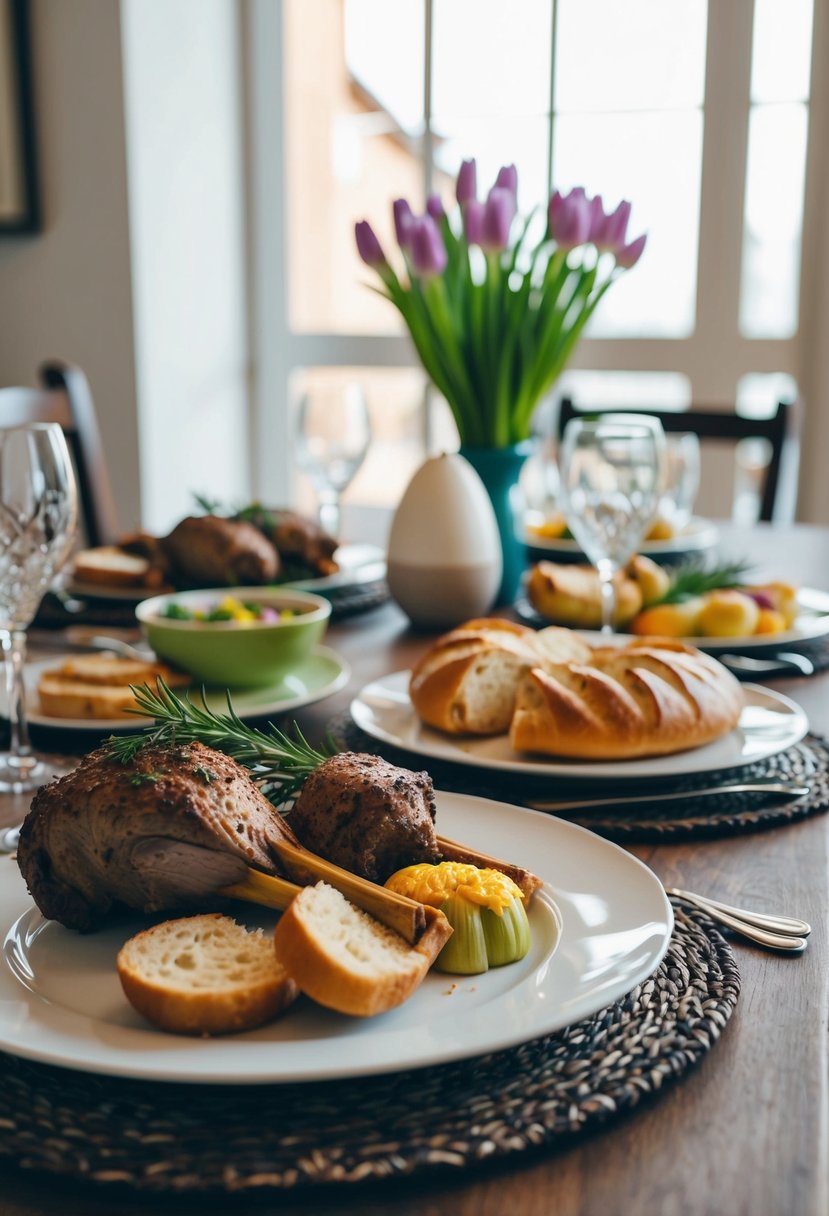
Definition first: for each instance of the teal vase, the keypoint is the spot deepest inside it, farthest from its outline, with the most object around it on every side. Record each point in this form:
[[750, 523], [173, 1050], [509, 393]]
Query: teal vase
[[499, 469]]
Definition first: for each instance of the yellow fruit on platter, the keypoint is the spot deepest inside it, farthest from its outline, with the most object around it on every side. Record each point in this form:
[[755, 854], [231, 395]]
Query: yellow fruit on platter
[[670, 620], [653, 580], [770, 621], [661, 529], [728, 614], [781, 597]]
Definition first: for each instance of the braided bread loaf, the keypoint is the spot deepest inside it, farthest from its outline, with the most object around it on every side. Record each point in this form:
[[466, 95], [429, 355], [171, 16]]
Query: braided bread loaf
[[559, 696]]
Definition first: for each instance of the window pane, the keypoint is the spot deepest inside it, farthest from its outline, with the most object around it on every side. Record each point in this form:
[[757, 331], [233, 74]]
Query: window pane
[[642, 54], [395, 401], [773, 219], [347, 156], [782, 50], [759, 394], [655, 161], [626, 390], [490, 59], [522, 142]]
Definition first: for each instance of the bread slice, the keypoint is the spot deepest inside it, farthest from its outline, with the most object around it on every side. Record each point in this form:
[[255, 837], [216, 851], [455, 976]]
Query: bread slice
[[343, 958], [111, 567], [204, 975], [97, 686]]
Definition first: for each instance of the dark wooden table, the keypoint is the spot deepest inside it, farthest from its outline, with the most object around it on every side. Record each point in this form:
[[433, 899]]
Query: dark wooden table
[[744, 1135]]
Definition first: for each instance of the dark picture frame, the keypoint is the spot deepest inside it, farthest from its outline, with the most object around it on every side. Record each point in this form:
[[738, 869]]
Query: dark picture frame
[[19, 202]]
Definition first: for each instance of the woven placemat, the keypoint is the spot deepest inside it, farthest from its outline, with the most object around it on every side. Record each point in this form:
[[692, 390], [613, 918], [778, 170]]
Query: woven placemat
[[248, 1139], [718, 815]]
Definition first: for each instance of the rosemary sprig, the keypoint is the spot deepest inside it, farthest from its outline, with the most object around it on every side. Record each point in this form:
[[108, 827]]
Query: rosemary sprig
[[694, 579], [278, 762]]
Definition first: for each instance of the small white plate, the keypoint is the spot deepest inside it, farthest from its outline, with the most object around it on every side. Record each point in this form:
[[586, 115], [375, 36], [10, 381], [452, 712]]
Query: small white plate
[[600, 925], [696, 537], [769, 724], [321, 675]]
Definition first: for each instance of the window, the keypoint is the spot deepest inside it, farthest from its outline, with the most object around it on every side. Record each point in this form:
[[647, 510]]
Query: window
[[692, 110]]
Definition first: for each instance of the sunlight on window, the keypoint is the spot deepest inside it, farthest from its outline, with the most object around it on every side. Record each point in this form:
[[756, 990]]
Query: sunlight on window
[[782, 50]]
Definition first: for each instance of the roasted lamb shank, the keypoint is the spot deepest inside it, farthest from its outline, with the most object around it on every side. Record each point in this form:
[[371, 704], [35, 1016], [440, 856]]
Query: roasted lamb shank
[[163, 831]]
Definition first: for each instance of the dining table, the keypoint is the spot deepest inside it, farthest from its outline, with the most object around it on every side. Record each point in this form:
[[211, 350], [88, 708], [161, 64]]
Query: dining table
[[744, 1132]]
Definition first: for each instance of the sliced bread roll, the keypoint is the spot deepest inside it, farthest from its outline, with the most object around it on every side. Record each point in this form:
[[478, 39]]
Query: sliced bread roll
[[204, 975], [647, 699], [465, 683], [345, 959], [110, 566], [97, 686]]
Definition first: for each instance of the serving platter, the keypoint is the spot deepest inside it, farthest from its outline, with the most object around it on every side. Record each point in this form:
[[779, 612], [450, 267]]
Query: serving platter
[[359, 563], [323, 673], [600, 925], [812, 621], [770, 723], [698, 536]]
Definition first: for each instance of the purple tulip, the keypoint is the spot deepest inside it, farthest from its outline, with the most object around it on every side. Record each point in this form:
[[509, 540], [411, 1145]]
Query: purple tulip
[[466, 190], [507, 179], [402, 222], [598, 219], [615, 227], [434, 207], [499, 213], [473, 222], [630, 254], [568, 218], [368, 247], [428, 249]]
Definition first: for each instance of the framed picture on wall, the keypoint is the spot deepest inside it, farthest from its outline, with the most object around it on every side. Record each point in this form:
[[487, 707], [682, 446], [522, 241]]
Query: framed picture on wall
[[19, 210]]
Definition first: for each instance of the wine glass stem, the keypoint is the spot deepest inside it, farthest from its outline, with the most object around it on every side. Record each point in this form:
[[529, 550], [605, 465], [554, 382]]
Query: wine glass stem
[[329, 511], [608, 591], [14, 658]]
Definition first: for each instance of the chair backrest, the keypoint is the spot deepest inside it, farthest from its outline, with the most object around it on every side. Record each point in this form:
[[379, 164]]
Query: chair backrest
[[66, 399], [722, 426]]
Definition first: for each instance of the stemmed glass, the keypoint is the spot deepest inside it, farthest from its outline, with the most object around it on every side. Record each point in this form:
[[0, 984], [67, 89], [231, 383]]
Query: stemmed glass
[[681, 482], [611, 472], [332, 437], [38, 522]]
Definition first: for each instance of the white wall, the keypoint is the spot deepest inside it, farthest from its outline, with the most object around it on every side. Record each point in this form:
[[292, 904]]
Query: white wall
[[184, 135], [65, 292]]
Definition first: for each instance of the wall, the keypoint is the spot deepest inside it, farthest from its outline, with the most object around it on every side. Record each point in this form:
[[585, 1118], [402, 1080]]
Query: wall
[[65, 292], [184, 139]]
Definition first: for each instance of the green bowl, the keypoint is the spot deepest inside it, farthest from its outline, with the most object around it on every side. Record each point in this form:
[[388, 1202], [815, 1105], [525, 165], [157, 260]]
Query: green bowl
[[234, 655]]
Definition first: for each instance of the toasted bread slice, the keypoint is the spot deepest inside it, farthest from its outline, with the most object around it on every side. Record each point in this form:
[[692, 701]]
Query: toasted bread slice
[[111, 567], [62, 698], [345, 959], [204, 975], [114, 670]]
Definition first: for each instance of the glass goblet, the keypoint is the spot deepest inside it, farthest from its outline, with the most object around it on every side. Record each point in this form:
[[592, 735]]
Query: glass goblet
[[332, 437], [611, 474], [681, 483], [38, 522]]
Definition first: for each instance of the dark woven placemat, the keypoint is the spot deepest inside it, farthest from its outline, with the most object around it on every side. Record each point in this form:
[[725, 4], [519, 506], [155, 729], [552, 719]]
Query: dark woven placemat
[[247, 1139], [718, 815]]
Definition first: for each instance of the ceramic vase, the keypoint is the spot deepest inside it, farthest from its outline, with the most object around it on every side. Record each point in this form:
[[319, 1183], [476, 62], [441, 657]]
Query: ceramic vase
[[500, 469], [444, 554]]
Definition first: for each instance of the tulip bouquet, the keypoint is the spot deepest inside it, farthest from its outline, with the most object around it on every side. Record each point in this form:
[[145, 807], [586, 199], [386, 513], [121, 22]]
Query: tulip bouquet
[[495, 314]]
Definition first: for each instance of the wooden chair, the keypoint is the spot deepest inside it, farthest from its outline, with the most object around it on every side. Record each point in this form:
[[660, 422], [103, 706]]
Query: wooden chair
[[723, 426], [66, 398]]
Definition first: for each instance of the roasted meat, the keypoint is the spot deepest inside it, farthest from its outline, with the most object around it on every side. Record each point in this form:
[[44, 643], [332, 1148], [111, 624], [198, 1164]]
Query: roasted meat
[[163, 831], [299, 541], [208, 551], [367, 816]]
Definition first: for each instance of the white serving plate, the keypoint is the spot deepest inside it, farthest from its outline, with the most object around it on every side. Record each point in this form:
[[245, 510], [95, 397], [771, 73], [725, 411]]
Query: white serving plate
[[697, 536], [769, 724], [323, 673], [600, 925]]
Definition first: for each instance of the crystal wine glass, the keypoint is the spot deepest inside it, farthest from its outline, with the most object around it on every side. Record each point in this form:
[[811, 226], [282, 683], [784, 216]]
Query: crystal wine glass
[[611, 472], [332, 438], [682, 460], [38, 522]]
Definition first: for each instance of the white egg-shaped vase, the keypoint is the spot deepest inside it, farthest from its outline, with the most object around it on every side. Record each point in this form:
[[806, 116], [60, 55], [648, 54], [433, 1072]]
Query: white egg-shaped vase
[[444, 554]]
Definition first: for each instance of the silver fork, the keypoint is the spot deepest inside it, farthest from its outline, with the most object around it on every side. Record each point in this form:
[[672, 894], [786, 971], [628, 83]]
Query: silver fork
[[786, 934]]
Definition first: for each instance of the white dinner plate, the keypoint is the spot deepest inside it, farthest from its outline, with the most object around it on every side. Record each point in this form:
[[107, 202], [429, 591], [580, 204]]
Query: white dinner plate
[[769, 724], [323, 673], [358, 564], [697, 536], [812, 621], [600, 925]]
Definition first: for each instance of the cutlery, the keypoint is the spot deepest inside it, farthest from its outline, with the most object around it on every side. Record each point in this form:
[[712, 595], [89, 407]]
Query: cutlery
[[772, 662], [784, 933], [771, 788]]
